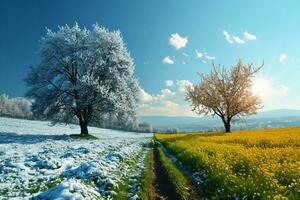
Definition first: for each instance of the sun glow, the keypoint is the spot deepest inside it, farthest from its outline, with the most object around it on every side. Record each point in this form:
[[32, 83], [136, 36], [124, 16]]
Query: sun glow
[[262, 86]]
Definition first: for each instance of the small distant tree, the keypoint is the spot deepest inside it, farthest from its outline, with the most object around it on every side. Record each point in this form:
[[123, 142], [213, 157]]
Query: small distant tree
[[145, 127], [82, 74], [172, 130], [15, 107], [226, 93]]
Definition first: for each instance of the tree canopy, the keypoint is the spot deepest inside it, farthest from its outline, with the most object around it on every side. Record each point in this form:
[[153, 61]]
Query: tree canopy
[[226, 93], [84, 74]]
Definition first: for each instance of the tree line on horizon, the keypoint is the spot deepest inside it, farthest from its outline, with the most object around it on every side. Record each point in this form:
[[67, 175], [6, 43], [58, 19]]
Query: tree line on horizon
[[20, 108]]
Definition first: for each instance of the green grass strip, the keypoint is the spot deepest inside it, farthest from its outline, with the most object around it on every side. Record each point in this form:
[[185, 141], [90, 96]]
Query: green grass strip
[[123, 187], [175, 177], [83, 136], [147, 179]]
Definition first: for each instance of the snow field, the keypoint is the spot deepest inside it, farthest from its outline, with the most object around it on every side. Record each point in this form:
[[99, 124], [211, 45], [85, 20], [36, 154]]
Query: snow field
[[40, 162]]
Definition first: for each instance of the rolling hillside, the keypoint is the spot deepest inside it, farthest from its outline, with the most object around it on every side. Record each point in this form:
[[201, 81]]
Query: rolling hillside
[[267, 119]]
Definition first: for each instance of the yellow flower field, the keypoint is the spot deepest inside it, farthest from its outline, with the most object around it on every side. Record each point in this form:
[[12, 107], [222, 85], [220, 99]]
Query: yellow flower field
[[253, 164]]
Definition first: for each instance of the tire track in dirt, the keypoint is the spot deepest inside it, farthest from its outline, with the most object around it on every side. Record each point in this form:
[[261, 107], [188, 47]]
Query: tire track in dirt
[[161, 188]]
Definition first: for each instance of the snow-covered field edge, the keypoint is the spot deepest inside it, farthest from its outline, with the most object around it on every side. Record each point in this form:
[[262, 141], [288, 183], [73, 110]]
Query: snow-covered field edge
[[42, 162]]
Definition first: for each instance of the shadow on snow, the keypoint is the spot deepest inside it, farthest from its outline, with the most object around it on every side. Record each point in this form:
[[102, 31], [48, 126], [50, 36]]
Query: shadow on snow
[[9, 137]]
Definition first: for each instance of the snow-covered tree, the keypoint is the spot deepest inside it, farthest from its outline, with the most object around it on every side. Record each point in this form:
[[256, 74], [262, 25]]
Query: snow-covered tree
[[15, 107], [82, 74], [145, 127]]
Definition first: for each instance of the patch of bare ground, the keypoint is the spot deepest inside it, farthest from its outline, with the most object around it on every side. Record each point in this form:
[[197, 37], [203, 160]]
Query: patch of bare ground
[[162, 188]]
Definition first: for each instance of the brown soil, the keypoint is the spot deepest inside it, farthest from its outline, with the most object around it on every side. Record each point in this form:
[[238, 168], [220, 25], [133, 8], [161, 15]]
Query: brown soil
[[194, 191], [161, 188]]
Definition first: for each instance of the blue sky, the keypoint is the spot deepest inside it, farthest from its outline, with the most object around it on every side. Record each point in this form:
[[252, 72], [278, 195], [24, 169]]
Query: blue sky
[[273, 29]]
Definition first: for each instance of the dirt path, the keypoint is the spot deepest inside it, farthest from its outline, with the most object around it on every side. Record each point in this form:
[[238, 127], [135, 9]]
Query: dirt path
[[161, 188]]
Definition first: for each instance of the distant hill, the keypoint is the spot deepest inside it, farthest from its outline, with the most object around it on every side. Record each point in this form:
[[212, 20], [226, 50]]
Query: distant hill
[[278, 113], [266, 119]]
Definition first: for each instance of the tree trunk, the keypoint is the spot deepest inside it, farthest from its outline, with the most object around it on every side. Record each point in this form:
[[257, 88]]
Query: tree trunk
[[83, 127], [227, 127]]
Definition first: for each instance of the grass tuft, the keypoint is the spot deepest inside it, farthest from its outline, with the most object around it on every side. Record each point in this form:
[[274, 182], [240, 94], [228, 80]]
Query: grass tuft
[[147, 190], [175, 176], [83, 136]]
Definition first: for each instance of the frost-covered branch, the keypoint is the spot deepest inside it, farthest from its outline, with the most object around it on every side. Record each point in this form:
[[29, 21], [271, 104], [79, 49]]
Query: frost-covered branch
[[83, 74]]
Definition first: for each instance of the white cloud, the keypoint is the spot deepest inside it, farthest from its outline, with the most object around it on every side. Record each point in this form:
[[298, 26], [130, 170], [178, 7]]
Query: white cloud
[[282, 58], [264, 87], [166, 93], [167, 60], [249, 36], [167, 102], [198, 54], [182, 84], [169, 83], [144, 96], [228, 37], [165, 108], [170, 101], [177, 41], [210, 57], [204, 56], [237, 39], [183, 62]]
